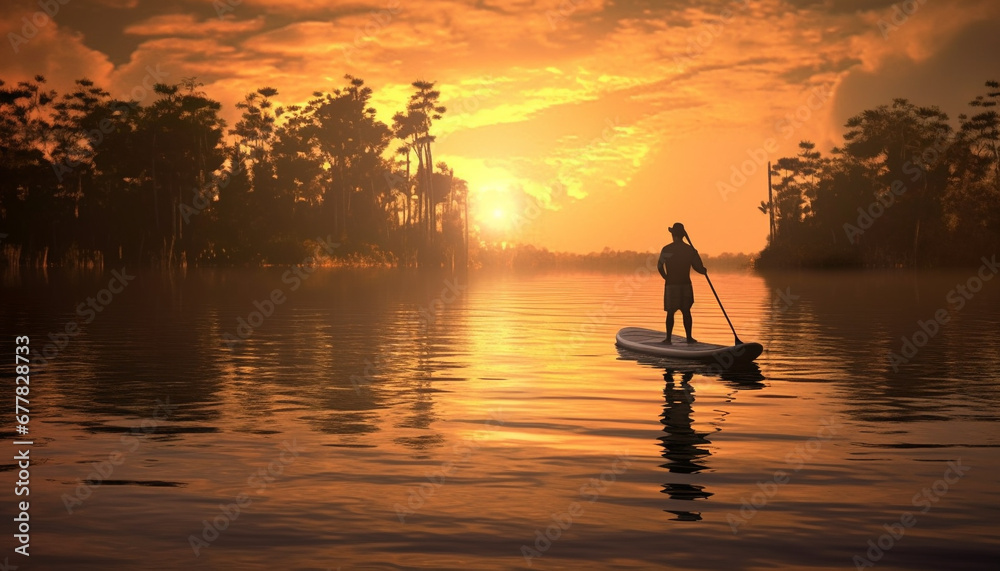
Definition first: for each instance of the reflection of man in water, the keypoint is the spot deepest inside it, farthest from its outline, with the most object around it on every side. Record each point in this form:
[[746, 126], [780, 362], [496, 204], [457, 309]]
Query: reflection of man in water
[[676, 261], [682, 445]]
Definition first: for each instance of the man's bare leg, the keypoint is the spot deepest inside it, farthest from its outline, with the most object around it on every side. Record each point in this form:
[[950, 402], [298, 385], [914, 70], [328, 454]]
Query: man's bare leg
[[670, 328], [687, 325]]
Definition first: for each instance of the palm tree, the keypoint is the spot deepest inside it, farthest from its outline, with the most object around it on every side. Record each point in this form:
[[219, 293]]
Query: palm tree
[[414, 127]]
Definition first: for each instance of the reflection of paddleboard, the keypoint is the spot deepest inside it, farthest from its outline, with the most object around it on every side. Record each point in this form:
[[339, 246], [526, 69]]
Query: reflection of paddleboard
[[651, 342]]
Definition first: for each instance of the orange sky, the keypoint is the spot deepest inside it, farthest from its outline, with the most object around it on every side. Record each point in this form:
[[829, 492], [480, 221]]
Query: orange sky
[[579, 124]]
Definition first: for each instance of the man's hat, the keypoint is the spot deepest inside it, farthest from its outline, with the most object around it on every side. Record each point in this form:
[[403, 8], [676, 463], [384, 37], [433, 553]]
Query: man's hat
[[677, 229]]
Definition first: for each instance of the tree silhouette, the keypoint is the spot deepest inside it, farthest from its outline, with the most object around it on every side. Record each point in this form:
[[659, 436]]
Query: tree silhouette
[[414, 127], [36, 214], [905, 189]]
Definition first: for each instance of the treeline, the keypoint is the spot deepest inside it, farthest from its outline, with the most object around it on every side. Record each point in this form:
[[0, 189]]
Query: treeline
[[906, 189], [528, 257], [87, 179]]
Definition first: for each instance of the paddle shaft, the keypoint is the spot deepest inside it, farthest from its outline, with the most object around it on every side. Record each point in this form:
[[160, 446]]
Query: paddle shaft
[[726, 315]]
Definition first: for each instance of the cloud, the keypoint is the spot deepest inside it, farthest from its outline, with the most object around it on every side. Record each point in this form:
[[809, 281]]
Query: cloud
[[188, 25], [47, 49], [530, 86], [889, 33], [120, 4]]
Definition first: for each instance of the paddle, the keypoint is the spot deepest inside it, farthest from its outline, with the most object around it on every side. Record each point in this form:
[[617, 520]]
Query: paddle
[[735, 336]]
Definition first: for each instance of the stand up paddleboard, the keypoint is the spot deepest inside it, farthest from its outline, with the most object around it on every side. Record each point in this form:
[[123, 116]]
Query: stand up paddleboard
[[650, 342]]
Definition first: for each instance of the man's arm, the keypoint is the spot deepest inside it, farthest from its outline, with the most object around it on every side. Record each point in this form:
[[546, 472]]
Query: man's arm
[[698, 266], [661, 266]]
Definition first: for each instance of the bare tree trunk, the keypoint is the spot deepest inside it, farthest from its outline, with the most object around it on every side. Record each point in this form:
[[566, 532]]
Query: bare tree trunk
[[465, 202], [770, 202], [432, 203], [451, 190], [422, 193], [408, 186], [156, 199]]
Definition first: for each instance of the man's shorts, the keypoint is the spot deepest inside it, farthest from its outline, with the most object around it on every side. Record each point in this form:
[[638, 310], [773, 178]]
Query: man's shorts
[[677, 297]]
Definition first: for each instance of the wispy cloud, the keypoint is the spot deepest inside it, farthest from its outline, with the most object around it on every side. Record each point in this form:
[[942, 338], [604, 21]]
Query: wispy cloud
[[185, 25]]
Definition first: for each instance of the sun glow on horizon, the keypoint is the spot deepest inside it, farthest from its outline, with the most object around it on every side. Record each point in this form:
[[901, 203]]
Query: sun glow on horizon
[[492, 208]]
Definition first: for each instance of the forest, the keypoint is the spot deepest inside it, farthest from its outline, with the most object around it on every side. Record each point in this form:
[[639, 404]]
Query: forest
[[907, 188], [85, 178]]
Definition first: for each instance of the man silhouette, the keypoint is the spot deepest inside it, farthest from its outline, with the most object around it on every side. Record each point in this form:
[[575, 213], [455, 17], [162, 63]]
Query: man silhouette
[[676, 261]]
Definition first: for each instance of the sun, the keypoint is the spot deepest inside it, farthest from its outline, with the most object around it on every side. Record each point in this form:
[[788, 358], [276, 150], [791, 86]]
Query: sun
[[493, 209]]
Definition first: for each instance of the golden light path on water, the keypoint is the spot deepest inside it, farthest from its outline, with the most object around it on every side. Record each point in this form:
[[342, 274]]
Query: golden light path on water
[[383, 420]]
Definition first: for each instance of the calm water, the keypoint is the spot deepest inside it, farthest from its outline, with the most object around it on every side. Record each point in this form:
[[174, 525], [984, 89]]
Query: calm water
[[379, 420]]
